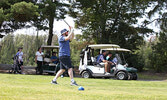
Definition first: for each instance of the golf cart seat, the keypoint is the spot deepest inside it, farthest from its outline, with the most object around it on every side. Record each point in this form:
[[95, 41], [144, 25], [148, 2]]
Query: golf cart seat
[[47, 60], [94, 60], [52, 64]]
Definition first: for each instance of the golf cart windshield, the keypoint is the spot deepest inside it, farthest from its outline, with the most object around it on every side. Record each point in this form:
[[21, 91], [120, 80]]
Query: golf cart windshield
[[48, 50]]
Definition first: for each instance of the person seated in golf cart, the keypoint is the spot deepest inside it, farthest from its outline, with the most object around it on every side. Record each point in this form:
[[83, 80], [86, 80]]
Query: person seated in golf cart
[[109, 58], [102, 61], [54, 58]]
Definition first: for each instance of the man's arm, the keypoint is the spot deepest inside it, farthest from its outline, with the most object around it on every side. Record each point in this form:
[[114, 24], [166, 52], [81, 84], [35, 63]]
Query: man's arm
[[36, 59], [53, 59], [105, 61], [102, 59], [71, 34]]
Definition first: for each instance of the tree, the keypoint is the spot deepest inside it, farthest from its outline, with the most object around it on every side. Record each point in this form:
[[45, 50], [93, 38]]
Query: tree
[[111, 21], [159, 55], [49, 11], [2, 16], [24, 12], [16, 14], [7, 50]]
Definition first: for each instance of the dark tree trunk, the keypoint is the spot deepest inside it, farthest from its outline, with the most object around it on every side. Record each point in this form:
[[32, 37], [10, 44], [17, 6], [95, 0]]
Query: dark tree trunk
[[51, 21]]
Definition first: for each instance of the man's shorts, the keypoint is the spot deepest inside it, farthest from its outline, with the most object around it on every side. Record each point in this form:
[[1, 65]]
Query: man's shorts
[[65, 62], [102, 63]]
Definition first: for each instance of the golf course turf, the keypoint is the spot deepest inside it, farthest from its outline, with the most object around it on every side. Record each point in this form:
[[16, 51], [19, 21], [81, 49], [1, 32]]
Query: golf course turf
[[38, 87]]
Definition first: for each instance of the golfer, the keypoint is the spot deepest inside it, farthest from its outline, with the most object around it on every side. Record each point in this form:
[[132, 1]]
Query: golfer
[[64, 55]]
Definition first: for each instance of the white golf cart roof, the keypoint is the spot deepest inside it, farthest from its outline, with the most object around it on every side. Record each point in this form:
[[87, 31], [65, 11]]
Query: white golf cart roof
[[49, 47], [116, 49], [103, 46]]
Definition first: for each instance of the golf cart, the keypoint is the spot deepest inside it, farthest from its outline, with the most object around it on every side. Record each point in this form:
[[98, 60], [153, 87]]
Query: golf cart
[[48, 66], [90, 68]]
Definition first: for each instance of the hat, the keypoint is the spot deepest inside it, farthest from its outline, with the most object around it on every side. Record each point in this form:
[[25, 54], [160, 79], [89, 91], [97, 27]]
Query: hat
[[63, 31], [20, 48], [103, 51]]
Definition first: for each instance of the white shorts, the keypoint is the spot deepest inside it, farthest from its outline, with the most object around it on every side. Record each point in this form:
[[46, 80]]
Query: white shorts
[[102, 63]]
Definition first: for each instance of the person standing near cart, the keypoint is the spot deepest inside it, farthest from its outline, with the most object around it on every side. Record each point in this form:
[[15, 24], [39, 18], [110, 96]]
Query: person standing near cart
[[19, 54], [39, 60], [64, 55]]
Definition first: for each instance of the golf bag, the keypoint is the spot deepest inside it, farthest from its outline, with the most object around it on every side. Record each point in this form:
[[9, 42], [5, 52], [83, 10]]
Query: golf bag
[[15, 67]]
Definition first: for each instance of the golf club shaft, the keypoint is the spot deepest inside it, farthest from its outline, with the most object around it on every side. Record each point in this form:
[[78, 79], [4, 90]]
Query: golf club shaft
[[66, 23]]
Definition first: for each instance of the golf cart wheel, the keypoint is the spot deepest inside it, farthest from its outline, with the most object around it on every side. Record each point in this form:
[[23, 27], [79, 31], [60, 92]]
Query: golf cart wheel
[[122, 76], [134, 76], [130, 76], [86, 74]]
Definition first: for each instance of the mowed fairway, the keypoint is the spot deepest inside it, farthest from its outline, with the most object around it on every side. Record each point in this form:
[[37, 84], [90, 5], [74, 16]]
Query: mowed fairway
[[38, 87]]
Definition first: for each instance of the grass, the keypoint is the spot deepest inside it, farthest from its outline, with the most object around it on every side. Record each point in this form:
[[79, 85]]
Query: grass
[[38, 87], [152, 76]]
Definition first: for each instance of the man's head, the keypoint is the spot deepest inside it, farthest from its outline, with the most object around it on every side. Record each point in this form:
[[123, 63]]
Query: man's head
[[104, 52], [19, 49], [110, 54], [64, 32], [54, 53]]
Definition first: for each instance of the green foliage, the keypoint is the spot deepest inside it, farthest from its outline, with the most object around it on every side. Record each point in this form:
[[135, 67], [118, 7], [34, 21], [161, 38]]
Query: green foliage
[[112, 22], [30, 44], [23, 12], [7, 50], [143, 54], [2, 16], [159, 55], [101, 20], [49, 11]]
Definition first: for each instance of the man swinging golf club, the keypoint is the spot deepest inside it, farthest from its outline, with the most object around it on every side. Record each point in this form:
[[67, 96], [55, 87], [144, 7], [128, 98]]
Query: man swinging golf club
[[64, 55]]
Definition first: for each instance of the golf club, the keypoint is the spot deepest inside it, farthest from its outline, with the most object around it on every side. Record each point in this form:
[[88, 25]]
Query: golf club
[[66, 23]]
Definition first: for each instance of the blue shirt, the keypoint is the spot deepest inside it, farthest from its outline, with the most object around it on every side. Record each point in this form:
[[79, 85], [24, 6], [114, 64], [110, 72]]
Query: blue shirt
[[54, 57], [64, 47], [100, 58], [17, 54], [115, 60]]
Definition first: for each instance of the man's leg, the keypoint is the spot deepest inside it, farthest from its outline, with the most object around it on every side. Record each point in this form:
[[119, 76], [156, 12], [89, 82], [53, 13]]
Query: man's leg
[[61, 71], [106, 67], [70, 73], [22, 69], [109, 67], [107, 72], [40, 68]]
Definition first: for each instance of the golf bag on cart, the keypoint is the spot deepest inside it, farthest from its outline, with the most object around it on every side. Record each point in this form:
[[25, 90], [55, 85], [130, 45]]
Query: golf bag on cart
[[15, 67]]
